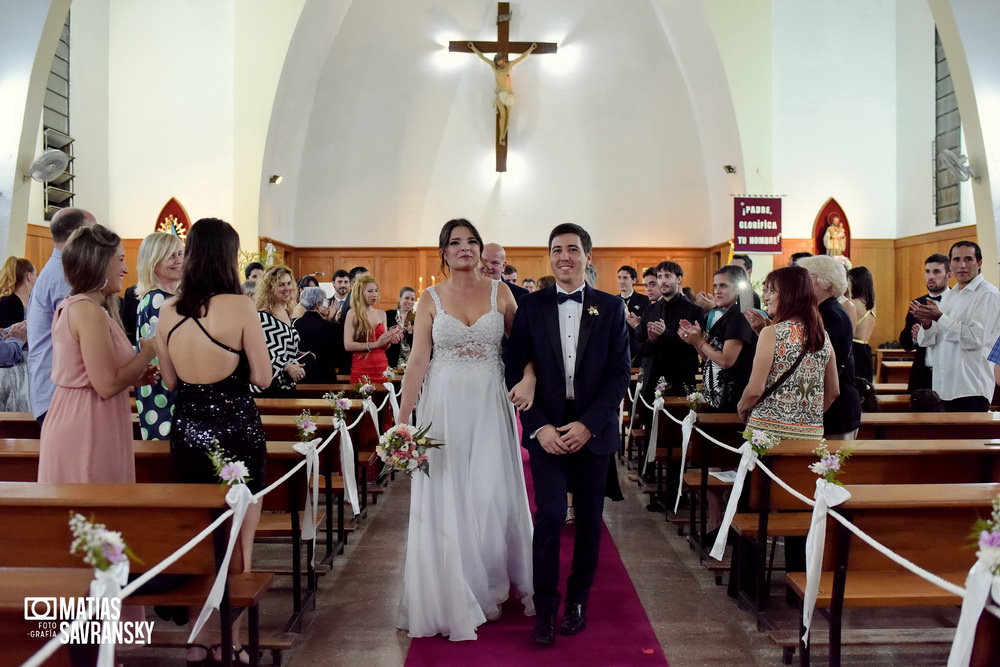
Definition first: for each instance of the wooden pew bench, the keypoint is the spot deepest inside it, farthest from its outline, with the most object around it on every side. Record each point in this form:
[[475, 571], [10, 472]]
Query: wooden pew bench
[[770, 511], [927, 524], [154, 519]]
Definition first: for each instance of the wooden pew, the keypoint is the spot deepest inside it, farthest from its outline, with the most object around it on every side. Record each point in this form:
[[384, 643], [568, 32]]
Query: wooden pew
[[154, 519], [282, 507], [928, 524], [894, 370], [16, 584], [890, 387], [770, 511]]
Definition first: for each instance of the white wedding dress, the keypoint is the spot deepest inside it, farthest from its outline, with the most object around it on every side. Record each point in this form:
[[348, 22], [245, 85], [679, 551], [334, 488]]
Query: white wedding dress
[[469, 538]]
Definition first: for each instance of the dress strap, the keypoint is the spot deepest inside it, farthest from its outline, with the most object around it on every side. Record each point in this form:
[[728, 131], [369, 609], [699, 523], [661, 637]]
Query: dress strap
[[204, 331], [493, 294], [437, 299]]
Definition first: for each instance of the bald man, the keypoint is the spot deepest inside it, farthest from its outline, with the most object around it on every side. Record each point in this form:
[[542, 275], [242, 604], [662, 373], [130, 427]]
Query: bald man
[[494, 262], [49, 291]]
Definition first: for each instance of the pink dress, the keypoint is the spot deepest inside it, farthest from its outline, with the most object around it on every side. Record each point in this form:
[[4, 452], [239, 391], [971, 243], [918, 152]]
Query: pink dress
[[85, 438]]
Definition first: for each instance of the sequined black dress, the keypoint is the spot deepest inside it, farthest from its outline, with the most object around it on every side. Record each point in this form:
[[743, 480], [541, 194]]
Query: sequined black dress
[[222, 410]]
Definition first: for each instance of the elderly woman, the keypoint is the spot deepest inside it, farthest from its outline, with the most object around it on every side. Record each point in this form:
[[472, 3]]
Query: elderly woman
[[316, 335], [843, 418]]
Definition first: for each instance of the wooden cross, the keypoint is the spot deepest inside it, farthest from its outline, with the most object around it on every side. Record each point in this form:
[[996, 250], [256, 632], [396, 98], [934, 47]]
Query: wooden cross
[[502, 45]]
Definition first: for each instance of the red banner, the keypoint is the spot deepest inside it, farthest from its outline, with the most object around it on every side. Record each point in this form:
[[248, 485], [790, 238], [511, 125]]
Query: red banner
[[756, 224]]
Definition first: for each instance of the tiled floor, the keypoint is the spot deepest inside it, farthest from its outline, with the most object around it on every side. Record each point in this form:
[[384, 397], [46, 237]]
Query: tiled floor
[[696, 623]]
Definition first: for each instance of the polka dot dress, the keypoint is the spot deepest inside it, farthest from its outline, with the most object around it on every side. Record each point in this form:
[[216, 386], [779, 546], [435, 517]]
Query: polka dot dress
[[155, 403]]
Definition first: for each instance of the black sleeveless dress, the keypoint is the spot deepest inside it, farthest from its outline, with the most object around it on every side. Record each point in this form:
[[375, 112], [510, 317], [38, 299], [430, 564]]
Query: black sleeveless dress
[[222, 410]]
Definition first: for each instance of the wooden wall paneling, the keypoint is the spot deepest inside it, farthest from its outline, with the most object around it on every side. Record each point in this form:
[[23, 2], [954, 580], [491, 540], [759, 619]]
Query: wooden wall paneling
[[530, 262], [38, 245], [789, 247], [131, 247], [880, 257], [321, 266], [393, 272]]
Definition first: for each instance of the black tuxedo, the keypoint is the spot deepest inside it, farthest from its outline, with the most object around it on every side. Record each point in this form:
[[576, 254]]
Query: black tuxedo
[[600, 380], [920, 374], [636, 304], [669, 356]]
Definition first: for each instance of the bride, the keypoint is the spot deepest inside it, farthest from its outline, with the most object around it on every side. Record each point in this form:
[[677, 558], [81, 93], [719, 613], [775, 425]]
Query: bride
[[469, 538]]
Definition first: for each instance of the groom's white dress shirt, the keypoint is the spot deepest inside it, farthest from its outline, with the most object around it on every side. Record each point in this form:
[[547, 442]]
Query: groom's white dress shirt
[[570, 313]]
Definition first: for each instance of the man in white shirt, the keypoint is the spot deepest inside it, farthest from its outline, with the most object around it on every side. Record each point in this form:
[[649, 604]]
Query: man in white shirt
[[960, 332]]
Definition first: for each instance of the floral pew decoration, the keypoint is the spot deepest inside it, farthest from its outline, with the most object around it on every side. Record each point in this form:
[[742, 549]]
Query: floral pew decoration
[[982, 582], [233, 474], [306, 426], [340, 405], [830, 492], [107, 553], [756, 443]]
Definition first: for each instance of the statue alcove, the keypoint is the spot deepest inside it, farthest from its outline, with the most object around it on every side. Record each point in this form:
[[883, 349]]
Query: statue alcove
[[830, 211]]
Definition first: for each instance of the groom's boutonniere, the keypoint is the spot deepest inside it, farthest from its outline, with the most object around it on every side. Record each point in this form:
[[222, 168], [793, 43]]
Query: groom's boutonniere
[[593, 312]]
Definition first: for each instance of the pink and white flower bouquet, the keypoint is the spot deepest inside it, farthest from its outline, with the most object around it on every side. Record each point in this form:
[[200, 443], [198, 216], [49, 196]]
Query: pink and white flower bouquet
[[228, 470], [101, 548], [830, 465], [986, 533], [404, 448], [338, 403]]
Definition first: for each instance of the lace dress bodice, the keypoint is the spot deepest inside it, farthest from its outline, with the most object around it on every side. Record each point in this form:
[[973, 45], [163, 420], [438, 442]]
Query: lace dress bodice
[[457, 345]]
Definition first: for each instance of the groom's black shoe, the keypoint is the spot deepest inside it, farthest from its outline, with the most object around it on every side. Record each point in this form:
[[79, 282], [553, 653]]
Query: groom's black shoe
[[575, 619], [544, 633]]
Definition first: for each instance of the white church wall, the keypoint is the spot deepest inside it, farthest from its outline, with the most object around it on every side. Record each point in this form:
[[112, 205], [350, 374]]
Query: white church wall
[[170, 111], [835, 113], [89, 119], [401, 143]]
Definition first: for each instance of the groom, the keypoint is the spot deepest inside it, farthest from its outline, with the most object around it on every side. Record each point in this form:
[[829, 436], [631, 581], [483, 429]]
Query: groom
[[576, 337]]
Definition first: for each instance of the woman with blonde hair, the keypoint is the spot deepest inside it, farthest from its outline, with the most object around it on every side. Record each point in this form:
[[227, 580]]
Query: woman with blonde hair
[[161, 262], [275, 295], [365, 333], [17, 277]]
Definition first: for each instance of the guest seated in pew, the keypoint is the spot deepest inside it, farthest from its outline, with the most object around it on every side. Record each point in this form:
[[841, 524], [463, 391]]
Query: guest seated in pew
[[274, 304], [212, 348], [794, 378], [727, 347], [316, 336], [161, 258], [87, 433], [366, 334], [926, 400]]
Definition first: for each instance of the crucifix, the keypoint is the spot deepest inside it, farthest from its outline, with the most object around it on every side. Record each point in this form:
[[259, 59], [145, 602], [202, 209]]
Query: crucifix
[[503, 47]]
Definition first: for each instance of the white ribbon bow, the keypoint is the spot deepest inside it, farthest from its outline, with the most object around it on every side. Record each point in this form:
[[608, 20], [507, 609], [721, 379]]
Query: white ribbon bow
[[347, 457], [827, 495], [108, 584], [308, 449], [239, 499], [654, 431], [393, 403], [977, 591], [748, 461], [687, 426]]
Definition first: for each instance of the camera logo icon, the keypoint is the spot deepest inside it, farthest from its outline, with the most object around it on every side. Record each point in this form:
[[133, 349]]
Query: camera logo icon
[[40, 609]]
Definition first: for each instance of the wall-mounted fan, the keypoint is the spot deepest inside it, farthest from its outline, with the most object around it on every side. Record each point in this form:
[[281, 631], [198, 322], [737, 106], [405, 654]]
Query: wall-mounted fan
[[956, 165], [49, 165]]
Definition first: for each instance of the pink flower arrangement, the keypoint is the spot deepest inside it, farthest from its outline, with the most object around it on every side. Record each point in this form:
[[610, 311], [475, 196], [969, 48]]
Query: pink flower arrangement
[[830, 465], [101, 548], [338, 403], [306, 426], [365, 387], [986, 532], [227, 470], [404, 448]]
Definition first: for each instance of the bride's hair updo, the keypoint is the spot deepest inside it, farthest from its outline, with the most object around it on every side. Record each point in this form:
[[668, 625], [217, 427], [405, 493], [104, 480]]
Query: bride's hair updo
[[445, 236]]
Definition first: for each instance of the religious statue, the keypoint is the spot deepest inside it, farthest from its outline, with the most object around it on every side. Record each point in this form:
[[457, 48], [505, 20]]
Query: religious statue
[[835, 238], [504, 98]]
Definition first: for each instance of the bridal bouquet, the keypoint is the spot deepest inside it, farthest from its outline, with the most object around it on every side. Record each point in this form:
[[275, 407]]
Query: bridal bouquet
[[101, 547], [404, 448]]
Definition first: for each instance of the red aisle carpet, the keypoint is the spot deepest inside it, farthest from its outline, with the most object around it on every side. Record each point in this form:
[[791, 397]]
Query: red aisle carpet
[[618, 631]]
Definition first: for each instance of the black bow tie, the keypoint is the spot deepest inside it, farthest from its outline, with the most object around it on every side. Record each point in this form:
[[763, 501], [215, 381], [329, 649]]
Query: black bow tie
[[575, 296], [934, 298]]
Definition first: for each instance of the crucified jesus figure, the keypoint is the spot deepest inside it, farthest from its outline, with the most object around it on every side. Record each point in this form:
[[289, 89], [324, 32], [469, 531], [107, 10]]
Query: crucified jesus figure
[[504, 98]]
